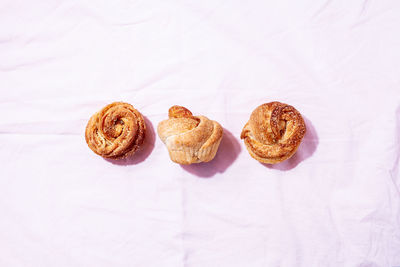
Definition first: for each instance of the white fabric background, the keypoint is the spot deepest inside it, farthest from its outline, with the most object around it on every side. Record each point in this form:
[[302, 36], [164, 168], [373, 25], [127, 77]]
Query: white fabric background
[[336, 203]]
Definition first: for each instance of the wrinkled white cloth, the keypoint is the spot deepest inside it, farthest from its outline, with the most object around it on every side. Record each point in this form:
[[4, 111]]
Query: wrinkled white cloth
[[335, 203]]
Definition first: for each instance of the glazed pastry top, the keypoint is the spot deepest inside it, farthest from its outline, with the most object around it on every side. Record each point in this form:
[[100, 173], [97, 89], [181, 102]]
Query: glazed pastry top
[[273, 132], [116, 131], [190, 138]]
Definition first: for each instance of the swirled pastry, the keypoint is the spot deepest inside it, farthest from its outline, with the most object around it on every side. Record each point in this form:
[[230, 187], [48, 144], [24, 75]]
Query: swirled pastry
[[116, 131], [189, 139], [273, 132]]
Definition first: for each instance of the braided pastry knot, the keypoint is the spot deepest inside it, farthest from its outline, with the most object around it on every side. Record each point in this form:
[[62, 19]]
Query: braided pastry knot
[[189, 139], [273, 132], [116, 131]]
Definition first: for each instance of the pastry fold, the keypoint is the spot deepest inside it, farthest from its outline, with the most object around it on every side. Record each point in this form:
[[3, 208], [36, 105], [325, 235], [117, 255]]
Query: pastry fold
[[116, 131], [189, 139], [273, 132]]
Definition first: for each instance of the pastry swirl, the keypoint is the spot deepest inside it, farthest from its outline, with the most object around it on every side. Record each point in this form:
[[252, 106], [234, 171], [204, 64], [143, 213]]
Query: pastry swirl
[[116, 131], [189, 139], [273, 132]]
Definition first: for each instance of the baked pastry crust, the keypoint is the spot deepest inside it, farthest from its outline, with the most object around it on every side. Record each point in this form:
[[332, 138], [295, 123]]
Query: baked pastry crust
[[116, 131], [189, 139], [273, 132]]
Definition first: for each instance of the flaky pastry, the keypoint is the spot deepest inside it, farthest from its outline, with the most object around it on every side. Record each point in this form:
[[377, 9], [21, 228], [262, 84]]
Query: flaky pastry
[[116, 131], [189, 139], [273, 132]]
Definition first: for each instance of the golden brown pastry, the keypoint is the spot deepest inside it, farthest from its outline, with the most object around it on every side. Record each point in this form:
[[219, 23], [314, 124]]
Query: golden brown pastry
[[189, 139], [273, 132], [116, 131]]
